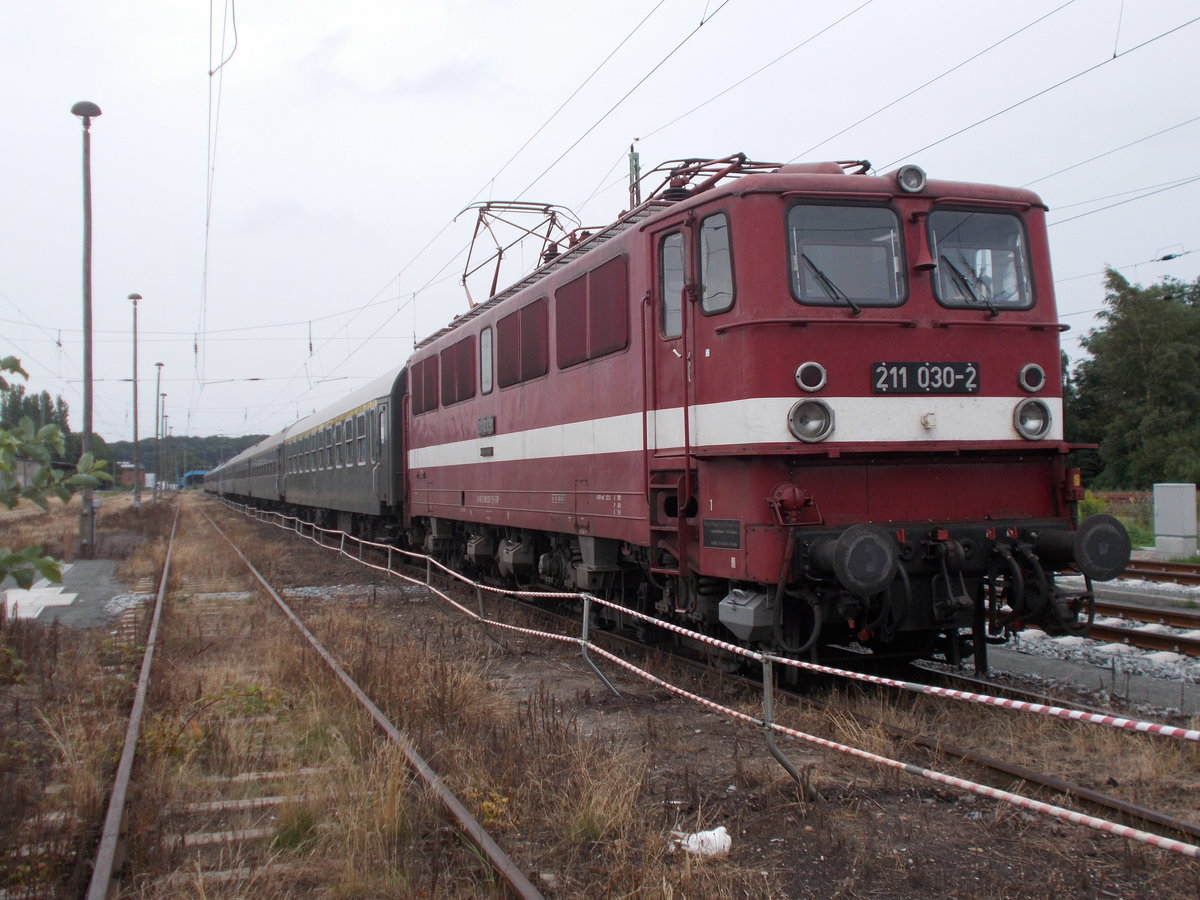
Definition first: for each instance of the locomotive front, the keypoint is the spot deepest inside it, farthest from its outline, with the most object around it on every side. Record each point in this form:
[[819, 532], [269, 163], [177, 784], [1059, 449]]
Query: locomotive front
[[857, 431]]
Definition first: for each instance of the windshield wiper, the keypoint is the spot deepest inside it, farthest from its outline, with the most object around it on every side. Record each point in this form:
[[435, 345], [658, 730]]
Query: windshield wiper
[[830, 288], [964, 284]]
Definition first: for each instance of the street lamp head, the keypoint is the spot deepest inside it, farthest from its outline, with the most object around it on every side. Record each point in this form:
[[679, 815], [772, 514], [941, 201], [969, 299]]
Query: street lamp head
[[85, 109], [160, 365], [135, 297]]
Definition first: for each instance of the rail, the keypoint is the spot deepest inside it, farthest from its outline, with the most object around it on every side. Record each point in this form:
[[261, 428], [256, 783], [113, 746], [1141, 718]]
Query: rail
[[341, 539], [1169, 572], [104, 882]]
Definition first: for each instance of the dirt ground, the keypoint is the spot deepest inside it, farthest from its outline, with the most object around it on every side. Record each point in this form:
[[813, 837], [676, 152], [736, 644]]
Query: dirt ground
[[866, 832]]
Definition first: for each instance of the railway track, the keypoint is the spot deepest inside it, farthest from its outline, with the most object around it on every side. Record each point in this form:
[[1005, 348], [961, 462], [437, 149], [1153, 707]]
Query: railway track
[[1169, 572], [236, 784], [1149, 629]]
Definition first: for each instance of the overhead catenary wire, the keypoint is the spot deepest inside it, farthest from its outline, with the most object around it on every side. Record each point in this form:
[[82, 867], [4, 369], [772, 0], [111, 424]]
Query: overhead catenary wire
[[1171, 187], [1092, 159], [445, 227], [1043, 92], [762, 69], [933, 80], [704, 20]]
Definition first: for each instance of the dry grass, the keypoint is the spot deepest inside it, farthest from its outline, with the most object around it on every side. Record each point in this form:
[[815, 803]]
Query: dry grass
[[61, 728]]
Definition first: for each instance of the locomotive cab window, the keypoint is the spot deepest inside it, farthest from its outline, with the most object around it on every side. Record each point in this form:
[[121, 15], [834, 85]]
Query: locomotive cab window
[[670, 284], [716, 265], [847, 256], [981, 260]]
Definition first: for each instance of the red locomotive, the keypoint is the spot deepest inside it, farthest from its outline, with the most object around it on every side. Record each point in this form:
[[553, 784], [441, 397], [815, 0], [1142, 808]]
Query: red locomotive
[[790, 405]]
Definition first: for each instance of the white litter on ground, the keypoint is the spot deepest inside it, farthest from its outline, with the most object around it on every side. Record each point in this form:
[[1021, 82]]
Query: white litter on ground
[[703, 843]]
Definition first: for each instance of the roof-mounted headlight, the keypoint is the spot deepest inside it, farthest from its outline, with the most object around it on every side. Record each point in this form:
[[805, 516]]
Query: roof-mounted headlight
[[1032, 419], [911, 179], [810, 421]]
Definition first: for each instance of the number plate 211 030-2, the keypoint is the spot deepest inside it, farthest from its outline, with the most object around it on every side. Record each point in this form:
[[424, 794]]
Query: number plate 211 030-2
[[925, 377]]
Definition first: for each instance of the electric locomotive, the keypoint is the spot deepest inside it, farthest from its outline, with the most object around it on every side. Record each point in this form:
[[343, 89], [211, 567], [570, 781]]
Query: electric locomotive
[[793, 406]]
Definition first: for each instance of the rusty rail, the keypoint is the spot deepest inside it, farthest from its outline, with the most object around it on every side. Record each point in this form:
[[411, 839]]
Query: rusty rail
[[1175, 616], [1170, 572], [105, 872]]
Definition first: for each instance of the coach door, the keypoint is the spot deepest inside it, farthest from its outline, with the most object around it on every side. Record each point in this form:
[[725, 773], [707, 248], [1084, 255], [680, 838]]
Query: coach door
[[380, 470]]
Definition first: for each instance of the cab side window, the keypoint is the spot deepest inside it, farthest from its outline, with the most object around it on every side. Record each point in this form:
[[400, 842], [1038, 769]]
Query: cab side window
[[670, 284], [716, 265]]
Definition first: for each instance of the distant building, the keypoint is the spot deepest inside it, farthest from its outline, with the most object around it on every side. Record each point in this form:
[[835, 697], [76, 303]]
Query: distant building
[[124, 476]]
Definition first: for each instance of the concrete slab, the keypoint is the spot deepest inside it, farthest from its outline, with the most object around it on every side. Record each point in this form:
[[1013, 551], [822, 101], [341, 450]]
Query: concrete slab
[[1140, 690], [90, 594]]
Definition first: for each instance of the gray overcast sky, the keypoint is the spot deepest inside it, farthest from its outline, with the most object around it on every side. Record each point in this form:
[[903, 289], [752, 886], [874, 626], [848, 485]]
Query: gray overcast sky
[[344, 137]]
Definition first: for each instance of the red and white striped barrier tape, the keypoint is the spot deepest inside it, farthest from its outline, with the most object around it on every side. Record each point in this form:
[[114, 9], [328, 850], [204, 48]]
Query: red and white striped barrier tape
[[1075, 818]]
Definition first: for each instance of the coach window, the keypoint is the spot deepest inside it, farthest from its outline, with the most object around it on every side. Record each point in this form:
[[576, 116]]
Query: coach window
[[848, 256], [360, 428], [671, 273], [716, 265], [349, 436], [485, 361], [382, 431], [980, 260]]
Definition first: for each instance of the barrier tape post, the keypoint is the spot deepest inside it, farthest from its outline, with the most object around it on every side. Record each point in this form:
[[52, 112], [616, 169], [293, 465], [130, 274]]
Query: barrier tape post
[[768, 680], [585, 643]]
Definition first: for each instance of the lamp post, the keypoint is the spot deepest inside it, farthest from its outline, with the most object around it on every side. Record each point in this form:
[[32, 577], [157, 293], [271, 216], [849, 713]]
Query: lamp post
[[165, 446], [137, 456], [166, 441], [157, 422], [86, 111]]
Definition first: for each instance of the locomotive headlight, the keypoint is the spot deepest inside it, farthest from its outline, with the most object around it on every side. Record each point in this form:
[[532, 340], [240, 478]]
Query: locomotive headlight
[[911, 179], [810, 421], [1031, 418], [810, 376], [1032, 377]]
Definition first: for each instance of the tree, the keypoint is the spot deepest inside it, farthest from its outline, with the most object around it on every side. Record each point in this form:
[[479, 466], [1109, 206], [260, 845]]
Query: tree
[[1137, 393], [25, 440]]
